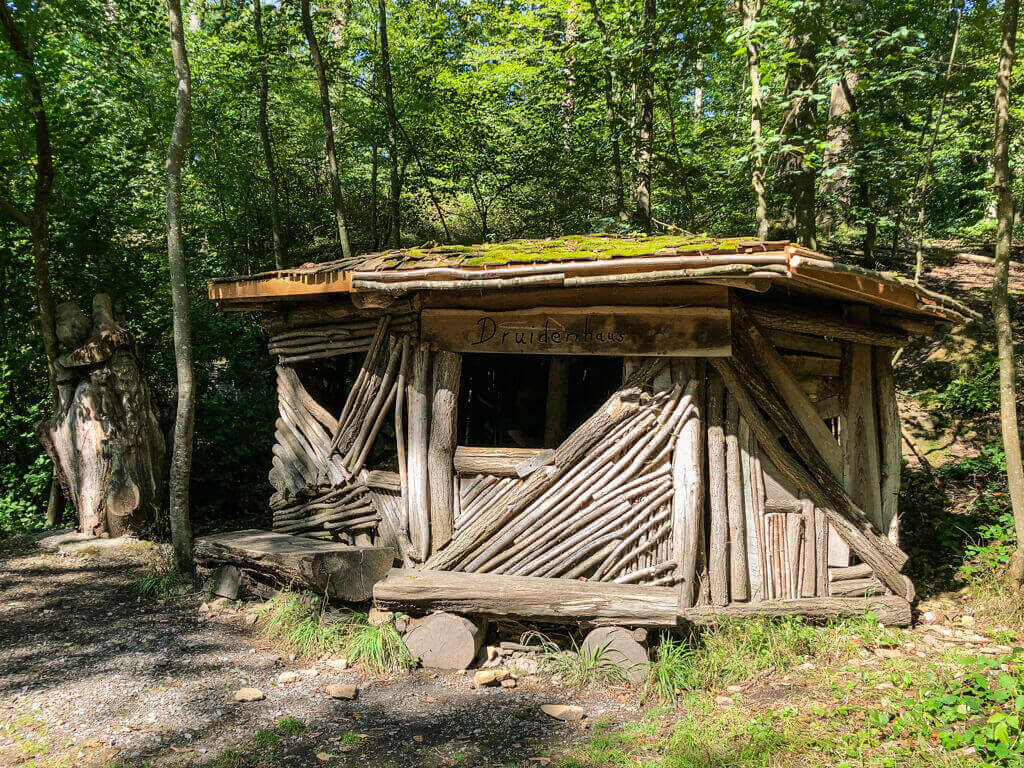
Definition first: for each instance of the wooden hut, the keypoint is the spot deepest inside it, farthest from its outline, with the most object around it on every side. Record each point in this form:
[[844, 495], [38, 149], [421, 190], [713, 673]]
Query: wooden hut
[[600, 429]]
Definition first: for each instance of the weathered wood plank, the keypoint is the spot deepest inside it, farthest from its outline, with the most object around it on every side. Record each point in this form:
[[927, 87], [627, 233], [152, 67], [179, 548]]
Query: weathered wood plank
[[561, 601], [441, 450], [595, 330]]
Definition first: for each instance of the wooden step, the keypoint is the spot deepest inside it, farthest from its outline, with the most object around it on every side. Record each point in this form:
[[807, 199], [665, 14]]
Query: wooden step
[[338, 570]]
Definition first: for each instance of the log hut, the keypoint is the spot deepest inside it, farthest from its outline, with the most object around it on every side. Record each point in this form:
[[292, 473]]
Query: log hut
[[631, 431]]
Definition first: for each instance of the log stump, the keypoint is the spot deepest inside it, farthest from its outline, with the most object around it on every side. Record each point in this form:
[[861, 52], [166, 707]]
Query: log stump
[[105, 440], [445, 641]]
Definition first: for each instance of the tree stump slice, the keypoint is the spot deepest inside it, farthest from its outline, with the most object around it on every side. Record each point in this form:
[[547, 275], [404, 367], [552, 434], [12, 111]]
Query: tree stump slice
[[618, 648], [445, 641]]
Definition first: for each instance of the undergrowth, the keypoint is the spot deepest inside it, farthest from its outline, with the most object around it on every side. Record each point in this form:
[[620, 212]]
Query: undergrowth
[[578, 666], [162, 581], [297, 622]]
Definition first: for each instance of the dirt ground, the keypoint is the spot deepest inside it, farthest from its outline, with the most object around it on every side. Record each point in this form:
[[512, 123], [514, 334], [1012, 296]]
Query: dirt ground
[[90, 675]]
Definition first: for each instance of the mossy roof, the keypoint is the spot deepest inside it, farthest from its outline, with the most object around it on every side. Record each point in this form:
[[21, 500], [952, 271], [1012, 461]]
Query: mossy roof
[[533, 251]]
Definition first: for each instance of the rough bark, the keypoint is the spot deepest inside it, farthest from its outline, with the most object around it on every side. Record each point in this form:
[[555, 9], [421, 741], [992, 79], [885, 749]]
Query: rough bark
[[798, 127], [611, 115], [749, 10], [392, 132], [105, 443], [1000, 284], [645, 132], [441, 452], [325, 114], [181, 458], [264, 126]]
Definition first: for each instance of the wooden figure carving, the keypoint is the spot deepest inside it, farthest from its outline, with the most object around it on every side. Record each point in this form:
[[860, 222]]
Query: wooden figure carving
[[105, 442]]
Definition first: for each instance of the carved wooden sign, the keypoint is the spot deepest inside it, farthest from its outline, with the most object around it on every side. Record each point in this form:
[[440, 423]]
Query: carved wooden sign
[[602, 330]]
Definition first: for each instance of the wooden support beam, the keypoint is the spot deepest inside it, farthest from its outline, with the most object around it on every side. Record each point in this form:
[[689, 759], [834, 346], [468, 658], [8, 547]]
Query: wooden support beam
[[561, 601], [829, 325], [718, 547], [889, 440], [739, 576], [688, 484], [418, 397], [441, 451], [565, 601], [890, 610], [557, 401]]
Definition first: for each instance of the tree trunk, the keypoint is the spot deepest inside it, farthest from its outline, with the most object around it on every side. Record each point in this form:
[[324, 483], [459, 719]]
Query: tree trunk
[[798, 129], [325, 113], [38, 223], [1000, 298], [392, 118], [268, 154], [374, 237], [181, 458], [610, 116], [569, 74], [645, 134], [919, 195], [750, 10]]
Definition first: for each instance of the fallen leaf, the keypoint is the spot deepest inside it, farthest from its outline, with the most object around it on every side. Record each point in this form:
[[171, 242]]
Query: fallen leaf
[[179, 750], [324, 756]]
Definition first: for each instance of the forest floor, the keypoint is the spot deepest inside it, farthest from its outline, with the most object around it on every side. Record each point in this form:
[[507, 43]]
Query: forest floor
[[93, 676]]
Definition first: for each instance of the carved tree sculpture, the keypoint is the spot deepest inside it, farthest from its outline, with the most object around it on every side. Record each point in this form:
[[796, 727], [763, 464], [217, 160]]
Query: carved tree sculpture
[[105, 442]]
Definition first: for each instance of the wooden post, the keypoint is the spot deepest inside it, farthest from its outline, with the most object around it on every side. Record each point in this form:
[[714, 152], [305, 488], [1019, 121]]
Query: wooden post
[[718, 553], [688, 487], [739, 577], [752, 520], [558, 394], [889, 440], [418, 396], [447, 373]]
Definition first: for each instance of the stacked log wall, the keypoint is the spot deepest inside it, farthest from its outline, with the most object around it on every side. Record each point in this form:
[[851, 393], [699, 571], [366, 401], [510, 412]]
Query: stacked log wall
[[737, 482]]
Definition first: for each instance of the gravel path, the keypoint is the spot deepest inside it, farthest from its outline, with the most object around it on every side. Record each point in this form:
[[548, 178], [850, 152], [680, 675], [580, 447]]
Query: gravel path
[[91, 676]]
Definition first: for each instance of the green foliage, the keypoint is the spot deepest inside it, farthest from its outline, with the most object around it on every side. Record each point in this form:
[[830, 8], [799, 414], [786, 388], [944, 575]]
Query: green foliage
[[973, 394], [982, 710], [379, 648], [291, 726], [577, 666], [266, 738], [295, 621], [163, 581]]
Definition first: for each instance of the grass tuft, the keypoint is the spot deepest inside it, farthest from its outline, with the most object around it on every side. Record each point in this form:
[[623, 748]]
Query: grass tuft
[[291, 726], [380, 648], [296, 622], [577, 667], [163, 581], [266, 738]]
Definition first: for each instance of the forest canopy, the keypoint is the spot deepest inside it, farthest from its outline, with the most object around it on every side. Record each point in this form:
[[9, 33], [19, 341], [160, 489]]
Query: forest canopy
[[478, 121]]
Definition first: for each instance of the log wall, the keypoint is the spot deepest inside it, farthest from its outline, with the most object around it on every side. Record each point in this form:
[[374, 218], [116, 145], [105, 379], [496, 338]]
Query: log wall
[[770, 475]]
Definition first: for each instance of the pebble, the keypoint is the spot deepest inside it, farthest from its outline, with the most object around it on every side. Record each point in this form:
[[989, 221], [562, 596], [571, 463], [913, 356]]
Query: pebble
[[287, 677], [249, 694], [485, 677], [569, 713], [340, 691]]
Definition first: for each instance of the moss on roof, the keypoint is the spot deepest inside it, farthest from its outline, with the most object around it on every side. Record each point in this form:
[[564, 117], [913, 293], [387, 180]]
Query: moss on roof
[[571, 248]]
